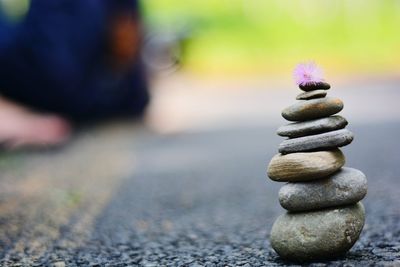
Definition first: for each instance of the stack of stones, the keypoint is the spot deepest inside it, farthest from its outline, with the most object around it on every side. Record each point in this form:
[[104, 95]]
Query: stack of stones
[[324, 217]]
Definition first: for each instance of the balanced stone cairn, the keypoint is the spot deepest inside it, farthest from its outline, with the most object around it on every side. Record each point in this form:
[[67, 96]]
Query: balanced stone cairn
[[324, 217]]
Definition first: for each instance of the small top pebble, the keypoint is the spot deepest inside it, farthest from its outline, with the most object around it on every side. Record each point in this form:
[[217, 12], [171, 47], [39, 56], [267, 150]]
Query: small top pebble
[[315, 86], [309, 77], [311, 95]]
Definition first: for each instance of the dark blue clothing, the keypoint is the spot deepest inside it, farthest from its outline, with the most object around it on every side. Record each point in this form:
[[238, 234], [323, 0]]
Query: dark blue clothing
[[55, 59]]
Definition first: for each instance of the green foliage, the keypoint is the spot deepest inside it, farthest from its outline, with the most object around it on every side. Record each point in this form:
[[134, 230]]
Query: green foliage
[[258, 35], [14, 10]]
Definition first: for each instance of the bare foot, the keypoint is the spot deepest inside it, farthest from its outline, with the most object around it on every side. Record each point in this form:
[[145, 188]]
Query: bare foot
[[20, 127]]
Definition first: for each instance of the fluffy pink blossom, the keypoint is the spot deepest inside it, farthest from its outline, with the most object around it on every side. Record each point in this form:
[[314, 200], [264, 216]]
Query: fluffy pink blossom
[[308, 73]]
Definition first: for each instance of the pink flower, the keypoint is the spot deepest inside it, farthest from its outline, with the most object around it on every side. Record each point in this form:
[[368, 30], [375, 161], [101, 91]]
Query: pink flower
[[307, 73]]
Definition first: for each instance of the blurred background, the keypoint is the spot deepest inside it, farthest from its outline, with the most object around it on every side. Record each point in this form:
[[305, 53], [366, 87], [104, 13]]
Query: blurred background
[[235, 37], [254, 45], [194, 50], [187, 184]]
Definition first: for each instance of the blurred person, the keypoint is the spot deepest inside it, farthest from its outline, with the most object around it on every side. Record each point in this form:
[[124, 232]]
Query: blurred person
[[68, 61]]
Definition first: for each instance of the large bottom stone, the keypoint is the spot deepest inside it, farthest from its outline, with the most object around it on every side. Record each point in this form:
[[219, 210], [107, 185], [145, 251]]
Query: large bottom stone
[[317, 235]]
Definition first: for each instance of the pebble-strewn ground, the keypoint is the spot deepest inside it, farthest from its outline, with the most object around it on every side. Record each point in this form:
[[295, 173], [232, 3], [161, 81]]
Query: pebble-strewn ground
[[127, 197]]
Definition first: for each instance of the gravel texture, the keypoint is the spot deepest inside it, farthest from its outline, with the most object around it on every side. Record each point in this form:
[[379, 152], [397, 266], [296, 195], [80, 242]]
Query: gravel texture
[[194, 199]]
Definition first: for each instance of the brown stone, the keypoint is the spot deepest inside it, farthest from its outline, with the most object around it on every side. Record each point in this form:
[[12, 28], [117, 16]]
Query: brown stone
[[311, 95], [305, 166], [305, 110]]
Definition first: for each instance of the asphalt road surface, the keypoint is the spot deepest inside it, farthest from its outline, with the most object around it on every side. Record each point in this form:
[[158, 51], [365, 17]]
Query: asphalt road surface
[[126, 196]]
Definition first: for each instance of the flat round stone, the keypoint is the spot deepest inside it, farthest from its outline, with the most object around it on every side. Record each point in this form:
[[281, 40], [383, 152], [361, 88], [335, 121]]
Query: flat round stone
[[315, 86], [345, 187], [311, 95], [311, 109], [305, 166], [317, 235], [321, 141], [298, 129]]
